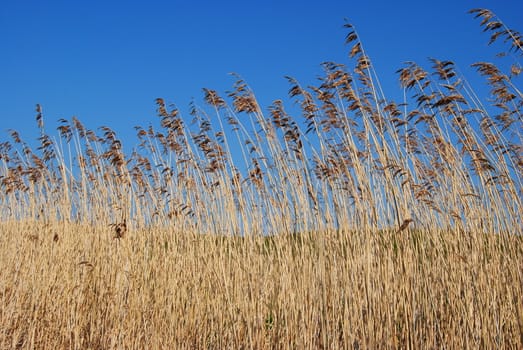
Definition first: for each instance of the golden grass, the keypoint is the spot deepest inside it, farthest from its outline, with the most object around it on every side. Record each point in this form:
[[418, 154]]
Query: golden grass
[[162, 289], [360, 223]]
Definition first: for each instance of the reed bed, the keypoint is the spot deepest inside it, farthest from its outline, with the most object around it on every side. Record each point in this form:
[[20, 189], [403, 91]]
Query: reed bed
[[344, 220]]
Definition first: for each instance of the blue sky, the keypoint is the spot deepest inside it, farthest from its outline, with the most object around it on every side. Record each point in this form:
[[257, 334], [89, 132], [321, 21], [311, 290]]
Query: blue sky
[[106, 61]]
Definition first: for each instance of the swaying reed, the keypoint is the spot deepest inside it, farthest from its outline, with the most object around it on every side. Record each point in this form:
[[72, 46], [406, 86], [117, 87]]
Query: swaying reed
[[355, 222]]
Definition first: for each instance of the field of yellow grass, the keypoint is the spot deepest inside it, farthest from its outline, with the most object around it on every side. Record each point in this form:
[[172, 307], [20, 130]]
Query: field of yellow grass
[[163, 289]]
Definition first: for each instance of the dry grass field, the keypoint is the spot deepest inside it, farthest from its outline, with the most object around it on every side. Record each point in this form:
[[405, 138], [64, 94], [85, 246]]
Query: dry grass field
[[345, 221]]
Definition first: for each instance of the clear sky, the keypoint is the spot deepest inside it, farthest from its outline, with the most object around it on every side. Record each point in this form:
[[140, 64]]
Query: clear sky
[[106, 61]]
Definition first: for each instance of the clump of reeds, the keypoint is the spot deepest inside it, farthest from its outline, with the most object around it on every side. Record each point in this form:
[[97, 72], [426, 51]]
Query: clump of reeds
[[358, 222]]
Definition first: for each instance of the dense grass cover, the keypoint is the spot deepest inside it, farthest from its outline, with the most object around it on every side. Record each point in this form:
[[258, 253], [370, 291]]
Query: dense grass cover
[[358, 222]]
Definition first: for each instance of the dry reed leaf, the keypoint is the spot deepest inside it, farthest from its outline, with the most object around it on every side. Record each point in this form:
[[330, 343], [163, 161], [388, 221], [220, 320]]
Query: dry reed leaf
[[120, 229], [404, 225]]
